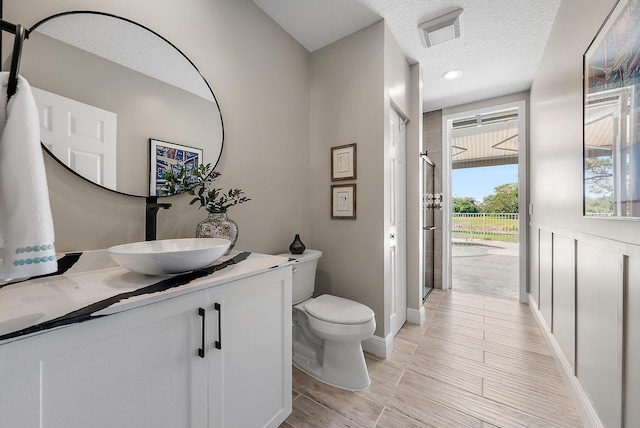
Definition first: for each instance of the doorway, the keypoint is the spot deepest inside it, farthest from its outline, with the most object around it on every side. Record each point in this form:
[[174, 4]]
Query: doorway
[[485, 251]]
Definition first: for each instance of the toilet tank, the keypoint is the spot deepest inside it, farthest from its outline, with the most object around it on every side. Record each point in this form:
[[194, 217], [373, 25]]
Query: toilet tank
[[304, 274]]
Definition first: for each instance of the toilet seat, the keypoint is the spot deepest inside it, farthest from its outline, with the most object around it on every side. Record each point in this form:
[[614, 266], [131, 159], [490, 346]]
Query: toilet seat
[[338, 310]]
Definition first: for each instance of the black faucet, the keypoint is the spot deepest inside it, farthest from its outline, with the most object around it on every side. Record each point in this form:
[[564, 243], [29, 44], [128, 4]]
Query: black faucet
[[151, 213]]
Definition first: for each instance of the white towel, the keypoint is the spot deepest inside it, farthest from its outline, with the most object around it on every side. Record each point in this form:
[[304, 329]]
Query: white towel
[[26, 226]]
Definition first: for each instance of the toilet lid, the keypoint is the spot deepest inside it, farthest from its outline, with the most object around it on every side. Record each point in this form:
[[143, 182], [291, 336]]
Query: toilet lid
[[338, 310]]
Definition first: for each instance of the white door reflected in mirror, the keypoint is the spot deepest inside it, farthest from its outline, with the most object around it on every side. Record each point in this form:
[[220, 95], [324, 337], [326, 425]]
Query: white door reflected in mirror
[[81, 136]]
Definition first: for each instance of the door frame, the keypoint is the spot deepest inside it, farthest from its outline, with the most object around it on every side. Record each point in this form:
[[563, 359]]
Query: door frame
[[523, 190]]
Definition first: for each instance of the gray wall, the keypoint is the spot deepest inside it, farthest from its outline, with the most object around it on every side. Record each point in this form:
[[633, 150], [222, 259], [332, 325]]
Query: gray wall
[[584, 275], [349, 80], [415, 274], [260, 76]]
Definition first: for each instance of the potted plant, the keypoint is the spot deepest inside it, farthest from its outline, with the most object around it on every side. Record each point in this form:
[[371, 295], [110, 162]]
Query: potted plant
[[199, 182]]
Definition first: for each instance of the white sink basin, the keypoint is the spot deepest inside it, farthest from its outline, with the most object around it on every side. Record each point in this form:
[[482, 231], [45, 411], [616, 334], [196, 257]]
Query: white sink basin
[[169, 256]]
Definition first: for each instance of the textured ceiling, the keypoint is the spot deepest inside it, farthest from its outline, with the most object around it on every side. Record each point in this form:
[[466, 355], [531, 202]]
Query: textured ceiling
[[129, 45], [317, 23], [500, 48]]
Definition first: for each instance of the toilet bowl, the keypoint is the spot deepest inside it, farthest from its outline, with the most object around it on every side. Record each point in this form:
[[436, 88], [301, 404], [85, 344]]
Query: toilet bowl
[[328, 330]]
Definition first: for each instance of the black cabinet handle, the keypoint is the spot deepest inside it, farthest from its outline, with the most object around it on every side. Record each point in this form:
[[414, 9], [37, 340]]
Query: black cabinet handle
[[218, 307], [202, 314]]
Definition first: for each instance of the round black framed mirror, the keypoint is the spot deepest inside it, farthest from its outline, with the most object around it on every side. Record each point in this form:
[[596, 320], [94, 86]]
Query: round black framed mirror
[[118, 103]]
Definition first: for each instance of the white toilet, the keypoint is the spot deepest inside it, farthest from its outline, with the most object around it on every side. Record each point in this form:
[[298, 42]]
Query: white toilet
[[328, 330]]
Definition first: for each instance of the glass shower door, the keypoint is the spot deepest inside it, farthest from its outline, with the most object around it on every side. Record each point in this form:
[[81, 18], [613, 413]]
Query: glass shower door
[[430, 201]]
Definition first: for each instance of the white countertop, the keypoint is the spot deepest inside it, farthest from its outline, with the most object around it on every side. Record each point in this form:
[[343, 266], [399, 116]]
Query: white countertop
[[96, 278]]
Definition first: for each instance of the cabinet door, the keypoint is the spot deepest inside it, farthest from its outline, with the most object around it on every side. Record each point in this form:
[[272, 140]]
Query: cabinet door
[[250, 376], [139, 368]]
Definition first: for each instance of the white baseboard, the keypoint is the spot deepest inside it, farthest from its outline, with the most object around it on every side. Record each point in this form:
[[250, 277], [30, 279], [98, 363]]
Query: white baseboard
[[583, 405], [416, 316], [378, 346]]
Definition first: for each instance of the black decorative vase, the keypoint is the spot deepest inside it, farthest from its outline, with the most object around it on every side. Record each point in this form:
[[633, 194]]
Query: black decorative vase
[[297, 247]]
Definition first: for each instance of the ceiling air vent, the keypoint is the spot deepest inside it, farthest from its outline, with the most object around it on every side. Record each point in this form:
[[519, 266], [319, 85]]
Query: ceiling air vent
[[441, 29]]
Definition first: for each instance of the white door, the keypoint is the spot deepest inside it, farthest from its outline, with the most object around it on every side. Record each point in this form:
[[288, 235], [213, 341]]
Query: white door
[[82, 135], [397, 222]]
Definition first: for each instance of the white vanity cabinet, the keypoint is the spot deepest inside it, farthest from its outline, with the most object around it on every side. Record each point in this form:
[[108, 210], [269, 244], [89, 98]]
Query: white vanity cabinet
[[144, 367], [250, 376], [137, 368]]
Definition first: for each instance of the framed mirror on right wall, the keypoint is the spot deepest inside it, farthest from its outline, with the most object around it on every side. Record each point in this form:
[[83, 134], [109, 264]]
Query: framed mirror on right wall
[[611, 175]]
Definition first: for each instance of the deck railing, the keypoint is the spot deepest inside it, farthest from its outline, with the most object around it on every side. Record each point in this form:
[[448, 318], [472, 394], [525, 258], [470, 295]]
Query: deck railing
[[485, 226]]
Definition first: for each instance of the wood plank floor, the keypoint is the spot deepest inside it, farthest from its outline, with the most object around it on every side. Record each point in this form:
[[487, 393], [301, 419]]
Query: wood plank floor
[[477, 361]]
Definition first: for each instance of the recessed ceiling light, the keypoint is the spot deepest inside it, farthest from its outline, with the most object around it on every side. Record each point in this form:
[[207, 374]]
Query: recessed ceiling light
[[452, 74], [441, 29]]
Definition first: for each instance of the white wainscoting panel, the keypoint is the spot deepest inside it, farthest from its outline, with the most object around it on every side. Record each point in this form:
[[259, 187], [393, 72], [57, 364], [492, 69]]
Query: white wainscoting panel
[[600, 281], [534, 272], [594, 319], [545, 301], [564, 296], [632, 352]]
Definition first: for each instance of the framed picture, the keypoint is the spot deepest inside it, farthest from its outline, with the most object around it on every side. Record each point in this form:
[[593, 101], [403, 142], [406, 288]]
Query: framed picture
[[343, 201], [611, 111], [166, 156], [343, 162]]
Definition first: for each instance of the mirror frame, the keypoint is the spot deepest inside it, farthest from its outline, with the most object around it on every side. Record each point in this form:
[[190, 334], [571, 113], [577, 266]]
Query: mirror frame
[[75, 12], [608, 138]]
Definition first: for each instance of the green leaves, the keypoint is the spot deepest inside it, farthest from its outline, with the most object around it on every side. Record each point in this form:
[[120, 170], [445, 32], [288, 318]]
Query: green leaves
[[504, 199], [464, 205], [198, 182]]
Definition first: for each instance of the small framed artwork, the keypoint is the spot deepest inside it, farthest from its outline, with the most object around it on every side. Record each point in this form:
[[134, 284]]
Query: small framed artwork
[[165, 156], [343, 201], [343, 162]]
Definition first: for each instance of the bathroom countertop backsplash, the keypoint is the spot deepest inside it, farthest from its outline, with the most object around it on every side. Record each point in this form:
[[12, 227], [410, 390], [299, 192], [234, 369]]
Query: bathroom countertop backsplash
[[90, 285]]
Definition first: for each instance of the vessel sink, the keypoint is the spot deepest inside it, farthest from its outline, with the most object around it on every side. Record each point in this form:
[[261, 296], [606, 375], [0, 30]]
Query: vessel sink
[[169, 256]]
